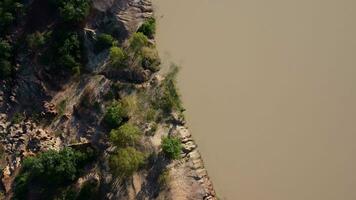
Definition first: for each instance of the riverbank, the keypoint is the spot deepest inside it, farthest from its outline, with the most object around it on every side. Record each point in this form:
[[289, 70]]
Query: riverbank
[[105, 126]]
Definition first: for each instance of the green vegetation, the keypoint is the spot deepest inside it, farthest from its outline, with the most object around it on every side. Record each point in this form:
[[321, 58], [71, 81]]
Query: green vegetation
[[126, 135], [137, 42], [69, 53], [89, 191], [126, 161], [9, 9], [5, 55], [37, 40], [104, 41], [72, 10], [65, 52], [50, 170], [169, 99], [117, 57], [171, 147], [163, 179], [148, 28], [17, 118], [61, 107], [115, 115], [150, 59]]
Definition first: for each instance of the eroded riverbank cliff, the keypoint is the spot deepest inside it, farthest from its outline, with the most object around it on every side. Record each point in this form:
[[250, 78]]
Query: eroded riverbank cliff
[[43, 109]]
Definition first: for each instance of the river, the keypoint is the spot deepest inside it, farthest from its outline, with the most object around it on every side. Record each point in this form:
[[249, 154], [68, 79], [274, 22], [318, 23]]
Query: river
[[270, 92]]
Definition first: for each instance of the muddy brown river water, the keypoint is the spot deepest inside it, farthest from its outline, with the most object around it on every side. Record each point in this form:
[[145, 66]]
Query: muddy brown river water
[[270, 92]]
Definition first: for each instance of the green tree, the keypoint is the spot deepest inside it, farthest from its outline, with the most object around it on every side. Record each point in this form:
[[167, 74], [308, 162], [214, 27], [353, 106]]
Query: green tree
[[126, 161], [50, 169], [171, 147], [126, 135], [148, 27], [65, 52], [117, 57], [72, 10], [115, 115]]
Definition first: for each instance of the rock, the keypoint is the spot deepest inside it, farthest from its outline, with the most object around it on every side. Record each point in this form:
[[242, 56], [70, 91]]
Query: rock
[[50, 109]]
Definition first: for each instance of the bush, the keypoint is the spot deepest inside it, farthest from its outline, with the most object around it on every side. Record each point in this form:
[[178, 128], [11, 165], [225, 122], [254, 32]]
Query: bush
[[50, 169], [126, 135], [126, 161], [115, 115], [171, 147], [104, 41], [148, 27], [117, 57]]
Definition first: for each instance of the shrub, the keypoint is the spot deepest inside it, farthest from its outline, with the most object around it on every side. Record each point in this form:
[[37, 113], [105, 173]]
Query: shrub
[[148, 27], [171, 147], [126, 135], [137, 41], [126, 161], [115, 115], [104, 41], [117, 57]]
